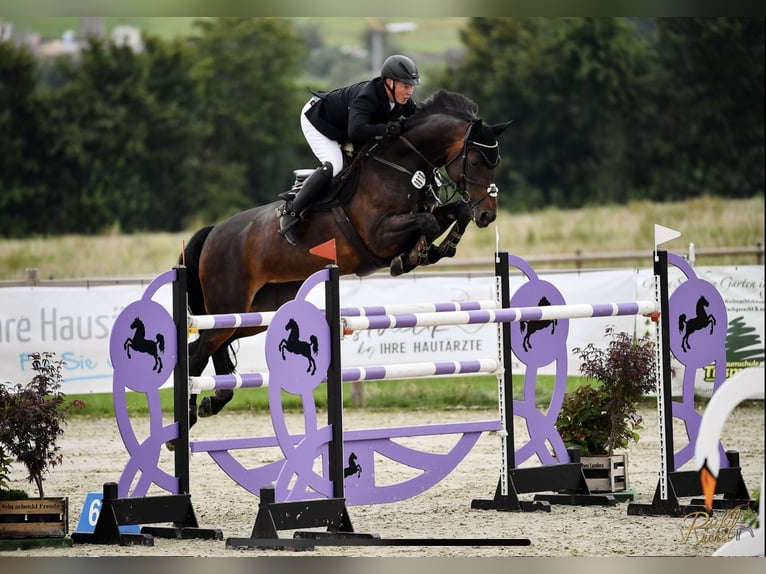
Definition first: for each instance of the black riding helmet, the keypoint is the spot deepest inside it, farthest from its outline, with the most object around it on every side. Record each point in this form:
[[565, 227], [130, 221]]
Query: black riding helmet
[[400, 69]]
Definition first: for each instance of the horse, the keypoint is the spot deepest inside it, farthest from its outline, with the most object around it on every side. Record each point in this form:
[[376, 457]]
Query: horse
[[386, 211], [534, 326], [294, 345], [696, 323], [140, 343]]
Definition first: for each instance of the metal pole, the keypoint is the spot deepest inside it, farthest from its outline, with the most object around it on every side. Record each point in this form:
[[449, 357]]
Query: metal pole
[[505, 380], [665, 400], [334, 383], [181, 381]]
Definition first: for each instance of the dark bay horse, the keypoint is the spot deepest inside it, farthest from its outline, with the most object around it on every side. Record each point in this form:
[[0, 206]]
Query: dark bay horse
[[388, 213]]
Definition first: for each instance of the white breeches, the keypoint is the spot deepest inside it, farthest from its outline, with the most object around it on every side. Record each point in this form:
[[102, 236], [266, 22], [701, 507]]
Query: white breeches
[[323, 147]]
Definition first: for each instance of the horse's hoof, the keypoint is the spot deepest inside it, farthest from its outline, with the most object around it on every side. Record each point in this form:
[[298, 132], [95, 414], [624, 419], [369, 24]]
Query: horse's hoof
[[397, 266], [434, 254], [170, 445], [205, 408]]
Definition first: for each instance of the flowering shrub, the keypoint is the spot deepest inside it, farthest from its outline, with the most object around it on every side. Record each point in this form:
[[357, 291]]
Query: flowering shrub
[[598, 419], [32, 417]]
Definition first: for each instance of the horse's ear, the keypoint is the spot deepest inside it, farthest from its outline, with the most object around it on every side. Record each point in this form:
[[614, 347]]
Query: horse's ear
[[497, 129]]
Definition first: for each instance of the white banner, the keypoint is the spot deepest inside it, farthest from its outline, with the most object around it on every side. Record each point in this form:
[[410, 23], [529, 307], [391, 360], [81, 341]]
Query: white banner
[[75, 322]]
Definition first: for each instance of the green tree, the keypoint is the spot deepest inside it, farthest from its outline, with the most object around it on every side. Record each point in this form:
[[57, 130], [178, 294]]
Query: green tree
[[22, 196], [572, 87], [171, 167], [711, 91], [247, 71], [123, 138], [97, 127], [611, 108]]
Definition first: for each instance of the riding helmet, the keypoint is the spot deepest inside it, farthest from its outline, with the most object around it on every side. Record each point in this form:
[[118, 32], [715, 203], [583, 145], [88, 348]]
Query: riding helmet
[[401, 69]]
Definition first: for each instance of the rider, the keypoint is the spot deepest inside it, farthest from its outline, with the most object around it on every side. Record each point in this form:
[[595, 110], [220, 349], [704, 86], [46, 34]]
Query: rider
[[357, 113]]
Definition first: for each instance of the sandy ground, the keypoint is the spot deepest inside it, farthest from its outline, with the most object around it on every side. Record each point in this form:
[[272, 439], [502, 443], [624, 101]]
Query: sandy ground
[[94, 454]]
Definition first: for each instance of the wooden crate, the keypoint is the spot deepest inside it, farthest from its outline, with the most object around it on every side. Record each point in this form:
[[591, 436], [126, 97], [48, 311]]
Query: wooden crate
[[606, 473], [34, 518]]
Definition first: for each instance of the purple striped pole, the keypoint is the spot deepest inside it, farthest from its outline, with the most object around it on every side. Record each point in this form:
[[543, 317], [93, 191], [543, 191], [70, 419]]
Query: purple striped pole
[[398, 308], [229, 320], [235, 381], [233, 320], [354, 374], [499, 315]]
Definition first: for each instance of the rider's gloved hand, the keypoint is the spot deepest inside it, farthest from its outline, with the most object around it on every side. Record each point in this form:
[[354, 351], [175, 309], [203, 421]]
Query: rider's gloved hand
[[393, 130]]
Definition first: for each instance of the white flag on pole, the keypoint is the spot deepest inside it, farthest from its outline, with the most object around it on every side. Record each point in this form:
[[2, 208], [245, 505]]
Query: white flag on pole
[[664, 234]]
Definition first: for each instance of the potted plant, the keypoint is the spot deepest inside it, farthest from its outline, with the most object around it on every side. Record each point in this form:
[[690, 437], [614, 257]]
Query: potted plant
[[32, 417], [598, 419]]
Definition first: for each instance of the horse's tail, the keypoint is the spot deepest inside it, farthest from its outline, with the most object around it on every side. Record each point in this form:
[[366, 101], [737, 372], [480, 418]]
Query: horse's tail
[[681, 322], [160, 342], [196, 300], [314, 344], [190, 258], [522, 325]]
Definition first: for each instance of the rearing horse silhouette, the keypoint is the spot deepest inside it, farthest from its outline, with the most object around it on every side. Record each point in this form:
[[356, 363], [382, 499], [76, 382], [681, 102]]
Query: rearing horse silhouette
[[534, 326], [353, 468], [140, 343], [386, 210], [699, 321], [294, 345]]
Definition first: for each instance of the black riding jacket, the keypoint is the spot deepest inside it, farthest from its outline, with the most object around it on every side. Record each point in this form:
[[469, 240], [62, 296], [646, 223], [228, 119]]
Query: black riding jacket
[[356, 113]]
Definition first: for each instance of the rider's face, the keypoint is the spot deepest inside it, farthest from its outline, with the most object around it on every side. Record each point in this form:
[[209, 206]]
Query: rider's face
[[402, 92]]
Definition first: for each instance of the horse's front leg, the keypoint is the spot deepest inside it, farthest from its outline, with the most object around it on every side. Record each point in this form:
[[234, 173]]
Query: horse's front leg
[[457, 215], [415, 229], [417, 256]]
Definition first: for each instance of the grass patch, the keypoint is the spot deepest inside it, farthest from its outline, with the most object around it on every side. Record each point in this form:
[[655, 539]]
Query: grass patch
[[412, 394], [707, 222]]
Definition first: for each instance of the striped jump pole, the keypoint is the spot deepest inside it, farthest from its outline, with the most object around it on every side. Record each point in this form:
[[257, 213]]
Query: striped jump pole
[[513, 314], [229, 320], [355, 374], [235, 320]]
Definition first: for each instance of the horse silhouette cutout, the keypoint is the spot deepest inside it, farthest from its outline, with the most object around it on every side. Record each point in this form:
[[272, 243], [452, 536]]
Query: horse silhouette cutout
[[294, 345], [534, 326], [352, 468], [701, 320], [140, 343]]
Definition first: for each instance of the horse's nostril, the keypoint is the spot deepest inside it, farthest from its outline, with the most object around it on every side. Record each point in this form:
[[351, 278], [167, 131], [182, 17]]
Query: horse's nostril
[[485, 218]]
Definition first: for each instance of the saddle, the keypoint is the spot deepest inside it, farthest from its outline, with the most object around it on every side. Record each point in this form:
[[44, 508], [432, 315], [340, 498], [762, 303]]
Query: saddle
[[341, 187]]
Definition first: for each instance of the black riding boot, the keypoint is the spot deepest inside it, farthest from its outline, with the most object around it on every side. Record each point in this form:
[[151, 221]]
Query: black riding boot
[[292, 211]]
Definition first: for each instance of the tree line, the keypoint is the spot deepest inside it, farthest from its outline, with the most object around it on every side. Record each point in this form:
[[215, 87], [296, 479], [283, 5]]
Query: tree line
[[194, 129]]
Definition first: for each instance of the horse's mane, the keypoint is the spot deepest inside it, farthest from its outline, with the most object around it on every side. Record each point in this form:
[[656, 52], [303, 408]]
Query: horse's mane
[[446, 102]]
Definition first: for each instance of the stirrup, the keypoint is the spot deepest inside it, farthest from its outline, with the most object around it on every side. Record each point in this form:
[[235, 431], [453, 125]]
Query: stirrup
[[287, 228]]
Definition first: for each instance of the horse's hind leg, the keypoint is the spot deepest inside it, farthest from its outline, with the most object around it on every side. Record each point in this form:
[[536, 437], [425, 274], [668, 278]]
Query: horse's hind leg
[[212, 405]]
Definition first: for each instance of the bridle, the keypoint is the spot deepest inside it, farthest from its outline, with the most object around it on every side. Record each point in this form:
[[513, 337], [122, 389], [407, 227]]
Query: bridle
[[434, 182]]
